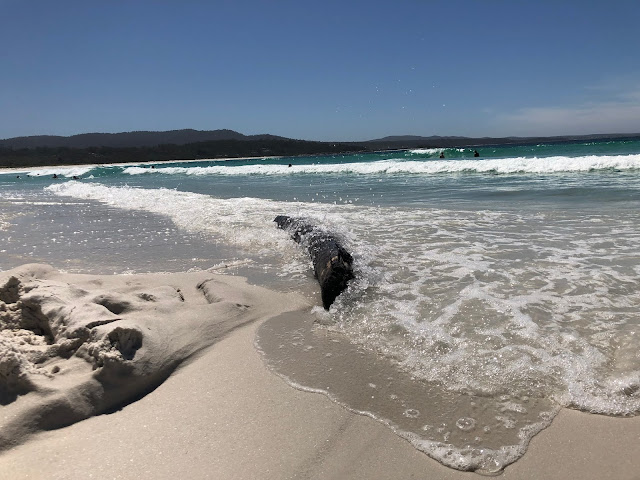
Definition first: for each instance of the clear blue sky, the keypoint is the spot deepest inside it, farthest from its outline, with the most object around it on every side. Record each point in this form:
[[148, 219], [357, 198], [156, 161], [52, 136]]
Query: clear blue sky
[[321, 70]]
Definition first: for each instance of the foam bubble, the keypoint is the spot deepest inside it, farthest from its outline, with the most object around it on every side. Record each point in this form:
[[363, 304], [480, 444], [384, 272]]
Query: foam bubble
[[466, 423]]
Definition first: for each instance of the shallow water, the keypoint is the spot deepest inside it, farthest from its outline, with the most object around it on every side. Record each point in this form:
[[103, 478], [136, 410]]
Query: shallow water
[[463, 431]]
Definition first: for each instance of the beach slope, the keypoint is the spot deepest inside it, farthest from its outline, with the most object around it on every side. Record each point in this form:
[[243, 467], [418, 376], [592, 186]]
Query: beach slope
[[216, 411]]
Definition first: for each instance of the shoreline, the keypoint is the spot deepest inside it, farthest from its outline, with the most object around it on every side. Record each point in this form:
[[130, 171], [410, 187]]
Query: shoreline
[[221, 413]]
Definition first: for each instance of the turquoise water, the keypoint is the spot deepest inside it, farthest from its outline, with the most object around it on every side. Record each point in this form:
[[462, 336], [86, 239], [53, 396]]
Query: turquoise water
[[546, 173], [508, 280]]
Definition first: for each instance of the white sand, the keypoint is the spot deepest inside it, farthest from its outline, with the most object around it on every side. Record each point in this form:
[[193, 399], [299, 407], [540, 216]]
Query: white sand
[[224, 415], [73, 346]]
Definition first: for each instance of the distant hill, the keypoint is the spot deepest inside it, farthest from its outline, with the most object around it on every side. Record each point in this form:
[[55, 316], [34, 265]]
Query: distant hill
[[188, 136], [130, 139], [231, 148]]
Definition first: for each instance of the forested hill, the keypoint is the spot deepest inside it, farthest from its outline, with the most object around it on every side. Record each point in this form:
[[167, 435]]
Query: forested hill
[[40, 156], [131, 139]]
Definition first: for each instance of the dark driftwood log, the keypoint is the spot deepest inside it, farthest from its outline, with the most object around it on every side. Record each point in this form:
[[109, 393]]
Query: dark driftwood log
[[332, 264]]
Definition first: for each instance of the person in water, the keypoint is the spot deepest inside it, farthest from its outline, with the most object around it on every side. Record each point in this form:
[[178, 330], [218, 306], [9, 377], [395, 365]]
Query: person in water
[[475, 153], [442, 155]]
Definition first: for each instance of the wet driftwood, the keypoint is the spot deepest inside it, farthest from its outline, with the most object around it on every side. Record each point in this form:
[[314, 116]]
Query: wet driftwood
[[332, 264]]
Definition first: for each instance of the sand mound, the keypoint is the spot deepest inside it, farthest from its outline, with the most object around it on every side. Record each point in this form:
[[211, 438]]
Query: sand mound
[[73, 346]]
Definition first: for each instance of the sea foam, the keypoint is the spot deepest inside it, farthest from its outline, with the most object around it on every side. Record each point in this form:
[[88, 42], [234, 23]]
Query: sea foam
[[534, 165]]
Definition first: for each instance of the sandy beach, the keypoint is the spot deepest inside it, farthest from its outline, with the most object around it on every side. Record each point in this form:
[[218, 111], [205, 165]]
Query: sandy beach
[[220, 413], [306, 240]]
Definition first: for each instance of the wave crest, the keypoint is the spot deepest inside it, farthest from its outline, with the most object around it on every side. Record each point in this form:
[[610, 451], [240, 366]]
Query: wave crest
[[393, 167]]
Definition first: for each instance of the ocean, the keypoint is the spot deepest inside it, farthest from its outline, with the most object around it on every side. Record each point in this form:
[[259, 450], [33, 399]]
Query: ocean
[[490, 292]]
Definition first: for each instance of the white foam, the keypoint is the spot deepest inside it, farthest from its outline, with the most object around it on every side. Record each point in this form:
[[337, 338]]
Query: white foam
[[68, 172], [239, 220], [393, 166], [500, 303], [245, 223], [426, 151]]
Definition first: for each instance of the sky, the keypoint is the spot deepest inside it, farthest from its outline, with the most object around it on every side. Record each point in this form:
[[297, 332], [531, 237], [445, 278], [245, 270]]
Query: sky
[[323, 70]]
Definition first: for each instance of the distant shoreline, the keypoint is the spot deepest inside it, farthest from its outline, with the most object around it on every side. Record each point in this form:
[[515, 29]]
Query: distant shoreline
[[137, 139], [13, 157]]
